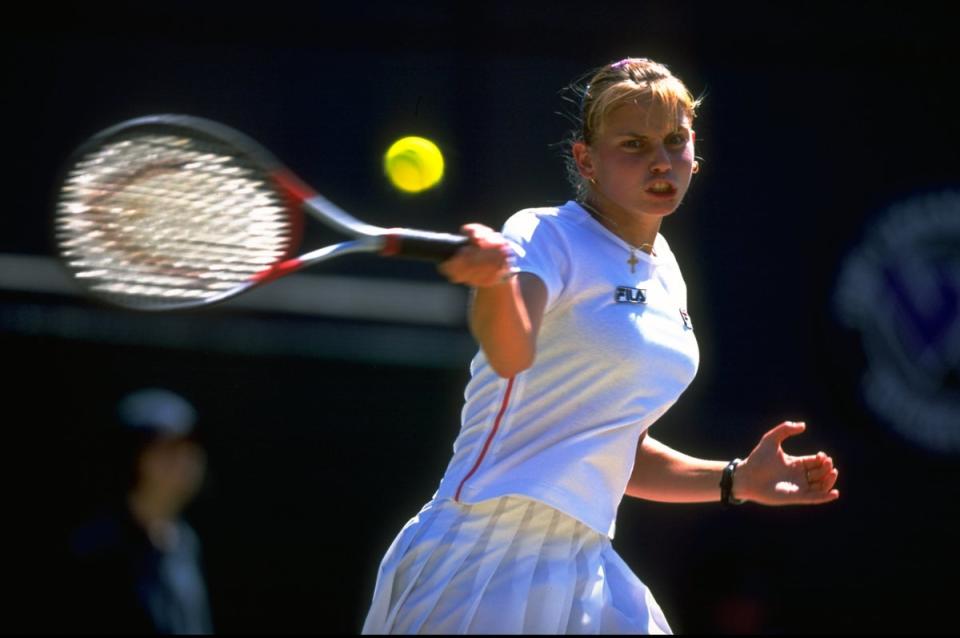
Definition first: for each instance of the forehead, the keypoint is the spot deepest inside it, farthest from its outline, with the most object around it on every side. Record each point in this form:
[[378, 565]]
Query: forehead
[[652, 118]]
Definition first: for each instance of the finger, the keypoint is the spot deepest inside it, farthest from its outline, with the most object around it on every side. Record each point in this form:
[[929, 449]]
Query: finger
[[473, 229], [817, 472], [820, 500], [827, 497], [480, 257], [482, 236], [455, 264], [826, 483], [822, 492], [812, 461], [461, 266], [785, 430], [453, 276], [483, 271], [830, 480]]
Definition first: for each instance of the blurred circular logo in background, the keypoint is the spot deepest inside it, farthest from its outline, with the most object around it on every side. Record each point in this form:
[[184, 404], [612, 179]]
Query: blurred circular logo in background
[[900, 290]]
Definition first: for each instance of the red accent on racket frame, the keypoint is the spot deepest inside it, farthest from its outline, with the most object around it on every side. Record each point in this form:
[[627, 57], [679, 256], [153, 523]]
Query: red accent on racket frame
[[393, 244], [486, 444], [293, 186], [296, 192], [277, 270]]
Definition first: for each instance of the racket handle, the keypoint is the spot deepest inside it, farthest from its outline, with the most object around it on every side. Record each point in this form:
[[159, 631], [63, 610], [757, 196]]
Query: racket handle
[[421, 244]]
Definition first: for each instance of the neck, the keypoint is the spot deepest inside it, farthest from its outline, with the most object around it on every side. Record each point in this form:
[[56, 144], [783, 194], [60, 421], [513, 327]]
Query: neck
[[636, 229], [155, 514]]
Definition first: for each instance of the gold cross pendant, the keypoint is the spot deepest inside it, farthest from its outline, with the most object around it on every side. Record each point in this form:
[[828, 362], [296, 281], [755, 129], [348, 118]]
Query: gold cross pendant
[[633, 261]]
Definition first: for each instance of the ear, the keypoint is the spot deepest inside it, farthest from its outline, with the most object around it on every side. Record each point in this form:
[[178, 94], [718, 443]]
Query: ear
[[583, 158]]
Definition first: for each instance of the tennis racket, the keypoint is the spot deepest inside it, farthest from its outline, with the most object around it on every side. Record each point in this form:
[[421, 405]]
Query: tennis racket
[[171, 211]]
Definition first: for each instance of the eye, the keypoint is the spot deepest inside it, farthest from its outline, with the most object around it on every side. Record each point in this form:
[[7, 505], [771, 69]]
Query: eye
[[635, 144], [676, 139]]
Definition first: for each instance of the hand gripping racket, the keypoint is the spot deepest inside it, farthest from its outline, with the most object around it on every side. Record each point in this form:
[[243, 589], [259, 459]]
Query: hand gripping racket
[[170, 211]]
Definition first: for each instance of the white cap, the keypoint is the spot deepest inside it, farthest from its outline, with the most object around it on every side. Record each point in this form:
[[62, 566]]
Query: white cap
[[157, 410]]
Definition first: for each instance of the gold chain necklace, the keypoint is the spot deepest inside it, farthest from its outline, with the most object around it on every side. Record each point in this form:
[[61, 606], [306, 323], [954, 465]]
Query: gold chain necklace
[[633, 261]]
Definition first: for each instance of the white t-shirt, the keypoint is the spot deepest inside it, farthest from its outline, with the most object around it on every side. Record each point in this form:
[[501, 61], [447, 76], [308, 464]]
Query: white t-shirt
[[615, 350]]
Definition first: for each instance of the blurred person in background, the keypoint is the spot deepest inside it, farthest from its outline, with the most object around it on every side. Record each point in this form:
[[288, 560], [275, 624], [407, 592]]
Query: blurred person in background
[[135, 568]]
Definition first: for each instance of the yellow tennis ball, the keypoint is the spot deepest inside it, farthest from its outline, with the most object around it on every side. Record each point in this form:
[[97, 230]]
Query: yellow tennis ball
[[413, 164]]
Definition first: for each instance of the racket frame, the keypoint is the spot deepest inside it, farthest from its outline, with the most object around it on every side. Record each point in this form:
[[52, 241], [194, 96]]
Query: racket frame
[[298, 196]]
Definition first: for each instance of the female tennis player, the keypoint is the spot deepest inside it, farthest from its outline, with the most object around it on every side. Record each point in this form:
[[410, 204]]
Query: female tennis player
[[585, 341]]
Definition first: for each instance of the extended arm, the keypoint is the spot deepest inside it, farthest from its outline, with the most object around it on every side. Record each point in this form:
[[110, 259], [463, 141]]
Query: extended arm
[[661, 473], [768, 475]]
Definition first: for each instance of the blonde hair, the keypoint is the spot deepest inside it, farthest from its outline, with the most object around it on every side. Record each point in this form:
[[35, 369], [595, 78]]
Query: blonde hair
[[637, 80]]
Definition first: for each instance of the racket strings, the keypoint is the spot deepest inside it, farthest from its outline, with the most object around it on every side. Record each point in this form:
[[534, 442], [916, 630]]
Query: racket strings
[[159, 218]]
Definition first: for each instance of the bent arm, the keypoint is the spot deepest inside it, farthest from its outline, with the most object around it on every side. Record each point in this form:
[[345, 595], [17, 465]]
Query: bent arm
[[505, 312], [505, 320]]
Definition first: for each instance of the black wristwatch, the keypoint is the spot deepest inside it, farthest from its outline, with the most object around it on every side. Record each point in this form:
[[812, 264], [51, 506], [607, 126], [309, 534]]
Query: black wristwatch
[[726, 484]]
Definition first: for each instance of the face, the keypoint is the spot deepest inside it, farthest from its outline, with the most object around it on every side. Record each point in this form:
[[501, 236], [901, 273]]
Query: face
[[173, 468], [641, 160]]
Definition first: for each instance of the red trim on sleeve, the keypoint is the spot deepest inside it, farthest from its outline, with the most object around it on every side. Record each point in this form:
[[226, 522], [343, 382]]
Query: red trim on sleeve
[[486, 444]]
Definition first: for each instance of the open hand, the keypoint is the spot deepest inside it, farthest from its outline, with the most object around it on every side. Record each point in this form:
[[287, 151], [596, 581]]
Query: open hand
[[772, 477]]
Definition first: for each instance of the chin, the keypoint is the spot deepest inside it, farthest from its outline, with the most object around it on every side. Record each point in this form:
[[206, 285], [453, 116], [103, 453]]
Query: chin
[[664, 208], [658, 211]]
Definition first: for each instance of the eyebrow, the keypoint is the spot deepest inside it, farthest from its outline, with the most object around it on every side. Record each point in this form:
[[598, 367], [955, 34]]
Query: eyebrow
[[680, 129]]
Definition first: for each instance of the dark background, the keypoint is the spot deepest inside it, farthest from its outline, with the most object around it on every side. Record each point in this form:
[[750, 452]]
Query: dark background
[[816, 118]]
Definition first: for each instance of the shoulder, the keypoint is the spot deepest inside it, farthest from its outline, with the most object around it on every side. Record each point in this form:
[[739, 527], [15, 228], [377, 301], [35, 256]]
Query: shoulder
[[663, 249], [543, 220], [188, 537], [665, 254]]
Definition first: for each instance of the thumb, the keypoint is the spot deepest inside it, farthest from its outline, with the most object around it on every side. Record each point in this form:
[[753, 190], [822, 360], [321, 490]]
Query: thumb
[[784, 431]]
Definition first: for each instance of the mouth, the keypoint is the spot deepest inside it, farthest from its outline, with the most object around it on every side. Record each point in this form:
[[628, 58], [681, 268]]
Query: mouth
[[661, 188]]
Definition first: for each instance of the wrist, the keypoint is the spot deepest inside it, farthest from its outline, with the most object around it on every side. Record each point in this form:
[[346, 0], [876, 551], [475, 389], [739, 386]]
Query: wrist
[[502, 282], [728, 484]]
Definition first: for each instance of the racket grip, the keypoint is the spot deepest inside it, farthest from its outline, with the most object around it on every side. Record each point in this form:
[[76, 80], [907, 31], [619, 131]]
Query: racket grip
[[421, 244]]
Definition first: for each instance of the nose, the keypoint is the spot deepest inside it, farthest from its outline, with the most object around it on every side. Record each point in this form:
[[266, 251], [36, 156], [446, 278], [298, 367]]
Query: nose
[[660, 162]]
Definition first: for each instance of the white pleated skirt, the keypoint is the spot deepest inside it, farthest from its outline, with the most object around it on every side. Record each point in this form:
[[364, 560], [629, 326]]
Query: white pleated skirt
[[507, 565]]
